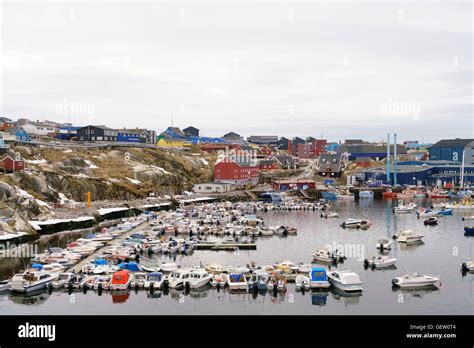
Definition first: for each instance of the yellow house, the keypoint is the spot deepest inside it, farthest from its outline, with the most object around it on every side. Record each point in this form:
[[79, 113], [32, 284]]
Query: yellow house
[[166, 141]]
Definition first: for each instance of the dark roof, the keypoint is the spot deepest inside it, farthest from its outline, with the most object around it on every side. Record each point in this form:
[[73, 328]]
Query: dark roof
[[331, 158], [231, 136], [285, 159], [263, 139], [175, 131], [297, 140], [353, 141], [452, 143], [13, 130], [190, 128], [132, 131], [370, 148]]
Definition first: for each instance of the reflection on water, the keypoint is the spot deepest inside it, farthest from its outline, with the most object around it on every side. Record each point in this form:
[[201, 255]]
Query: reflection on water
[[433, 256]]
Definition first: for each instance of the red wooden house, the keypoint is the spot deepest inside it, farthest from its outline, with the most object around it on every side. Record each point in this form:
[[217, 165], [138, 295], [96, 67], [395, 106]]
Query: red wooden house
[[270, 164], [240, 171], [11, 165]]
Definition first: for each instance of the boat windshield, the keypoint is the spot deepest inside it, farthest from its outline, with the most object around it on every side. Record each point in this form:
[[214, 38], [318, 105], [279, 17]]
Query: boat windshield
[[154, 278]]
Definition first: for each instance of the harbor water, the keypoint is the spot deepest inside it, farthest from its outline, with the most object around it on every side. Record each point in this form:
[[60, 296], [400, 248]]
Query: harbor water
[[443, 249]]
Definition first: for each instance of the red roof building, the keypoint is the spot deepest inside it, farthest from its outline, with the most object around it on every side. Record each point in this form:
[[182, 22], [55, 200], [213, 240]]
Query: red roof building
[[242, 172]]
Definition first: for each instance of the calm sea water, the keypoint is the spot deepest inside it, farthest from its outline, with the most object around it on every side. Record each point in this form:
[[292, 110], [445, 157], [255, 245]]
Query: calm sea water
[[440, 255]]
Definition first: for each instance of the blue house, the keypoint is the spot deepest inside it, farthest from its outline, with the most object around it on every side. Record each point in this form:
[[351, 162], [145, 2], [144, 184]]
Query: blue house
[[19, 133], [136, 135]]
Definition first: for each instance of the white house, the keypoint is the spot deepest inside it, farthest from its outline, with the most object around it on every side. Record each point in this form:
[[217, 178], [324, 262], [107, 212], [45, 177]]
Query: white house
[[214, 187], [38, 128]]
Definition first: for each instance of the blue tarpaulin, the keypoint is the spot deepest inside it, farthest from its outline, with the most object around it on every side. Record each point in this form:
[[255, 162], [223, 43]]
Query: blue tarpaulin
[[236, 277], [100, 262], [37, 265], [130, 266]]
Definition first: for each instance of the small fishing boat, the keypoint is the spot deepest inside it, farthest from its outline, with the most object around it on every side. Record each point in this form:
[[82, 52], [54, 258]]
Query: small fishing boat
[[438, 194], [414, 280], [469, 231], [445, 212], [178, 279], [408, 236], [154, 280], [219, 280], [63, 280], [319, 278], [168, 267], [276, 282], [389, 194], [304, 268], [404, 208], [329, 215], [432, 221], [329, 195], [426, 213], [5, 285], [287, 266], [380, 262], [384, 244], [325, 255], [356, 223], [345, 280], [302, 282], [468, 218], [101, 282], [199, 278], [32, 279], [237, 281], [121, 280], [138, 281]]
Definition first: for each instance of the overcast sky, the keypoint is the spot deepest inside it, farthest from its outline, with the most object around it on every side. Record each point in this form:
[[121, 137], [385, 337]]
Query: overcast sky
[[340, 69]]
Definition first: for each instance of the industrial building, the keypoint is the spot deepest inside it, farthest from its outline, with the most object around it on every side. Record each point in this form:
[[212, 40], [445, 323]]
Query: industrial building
[[452, 150]]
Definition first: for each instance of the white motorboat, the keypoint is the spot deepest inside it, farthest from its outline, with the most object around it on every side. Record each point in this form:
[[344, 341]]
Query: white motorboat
[[178, 279], [384, 244], [154, 280], [266, 232], [102, 282], [138, 280], [32, 279], [405, 208], [199, 278], [53, 268], [5, 285], [63, 280], [214, 268], [276, 283], [408, 236], [380, 262], [345, 280], [259, 280], [302, 282], [237, 281], [414, 280], [304, 268], [325, 255], [356, 223], [329, 215], [219, 280], [366, 194], [168, 267]]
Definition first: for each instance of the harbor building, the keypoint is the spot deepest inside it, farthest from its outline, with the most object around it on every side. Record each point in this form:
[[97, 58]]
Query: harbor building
[[214, 187], [241, 170], [452, 150]]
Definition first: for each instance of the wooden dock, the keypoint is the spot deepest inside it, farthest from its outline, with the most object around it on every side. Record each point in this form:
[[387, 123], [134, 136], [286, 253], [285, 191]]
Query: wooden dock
[[226, 246], [78, 266]]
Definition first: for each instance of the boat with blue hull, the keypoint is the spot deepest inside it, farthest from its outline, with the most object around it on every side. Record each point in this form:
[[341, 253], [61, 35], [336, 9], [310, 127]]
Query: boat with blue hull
[[329, 195], [469, 231], [319, 278]]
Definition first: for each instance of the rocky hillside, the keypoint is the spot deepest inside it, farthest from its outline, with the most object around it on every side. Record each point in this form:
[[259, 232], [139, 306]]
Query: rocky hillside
[[61, 176]]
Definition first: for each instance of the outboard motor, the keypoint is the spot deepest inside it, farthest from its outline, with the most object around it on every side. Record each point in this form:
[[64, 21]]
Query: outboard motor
[[464, 267], [366, 263]]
